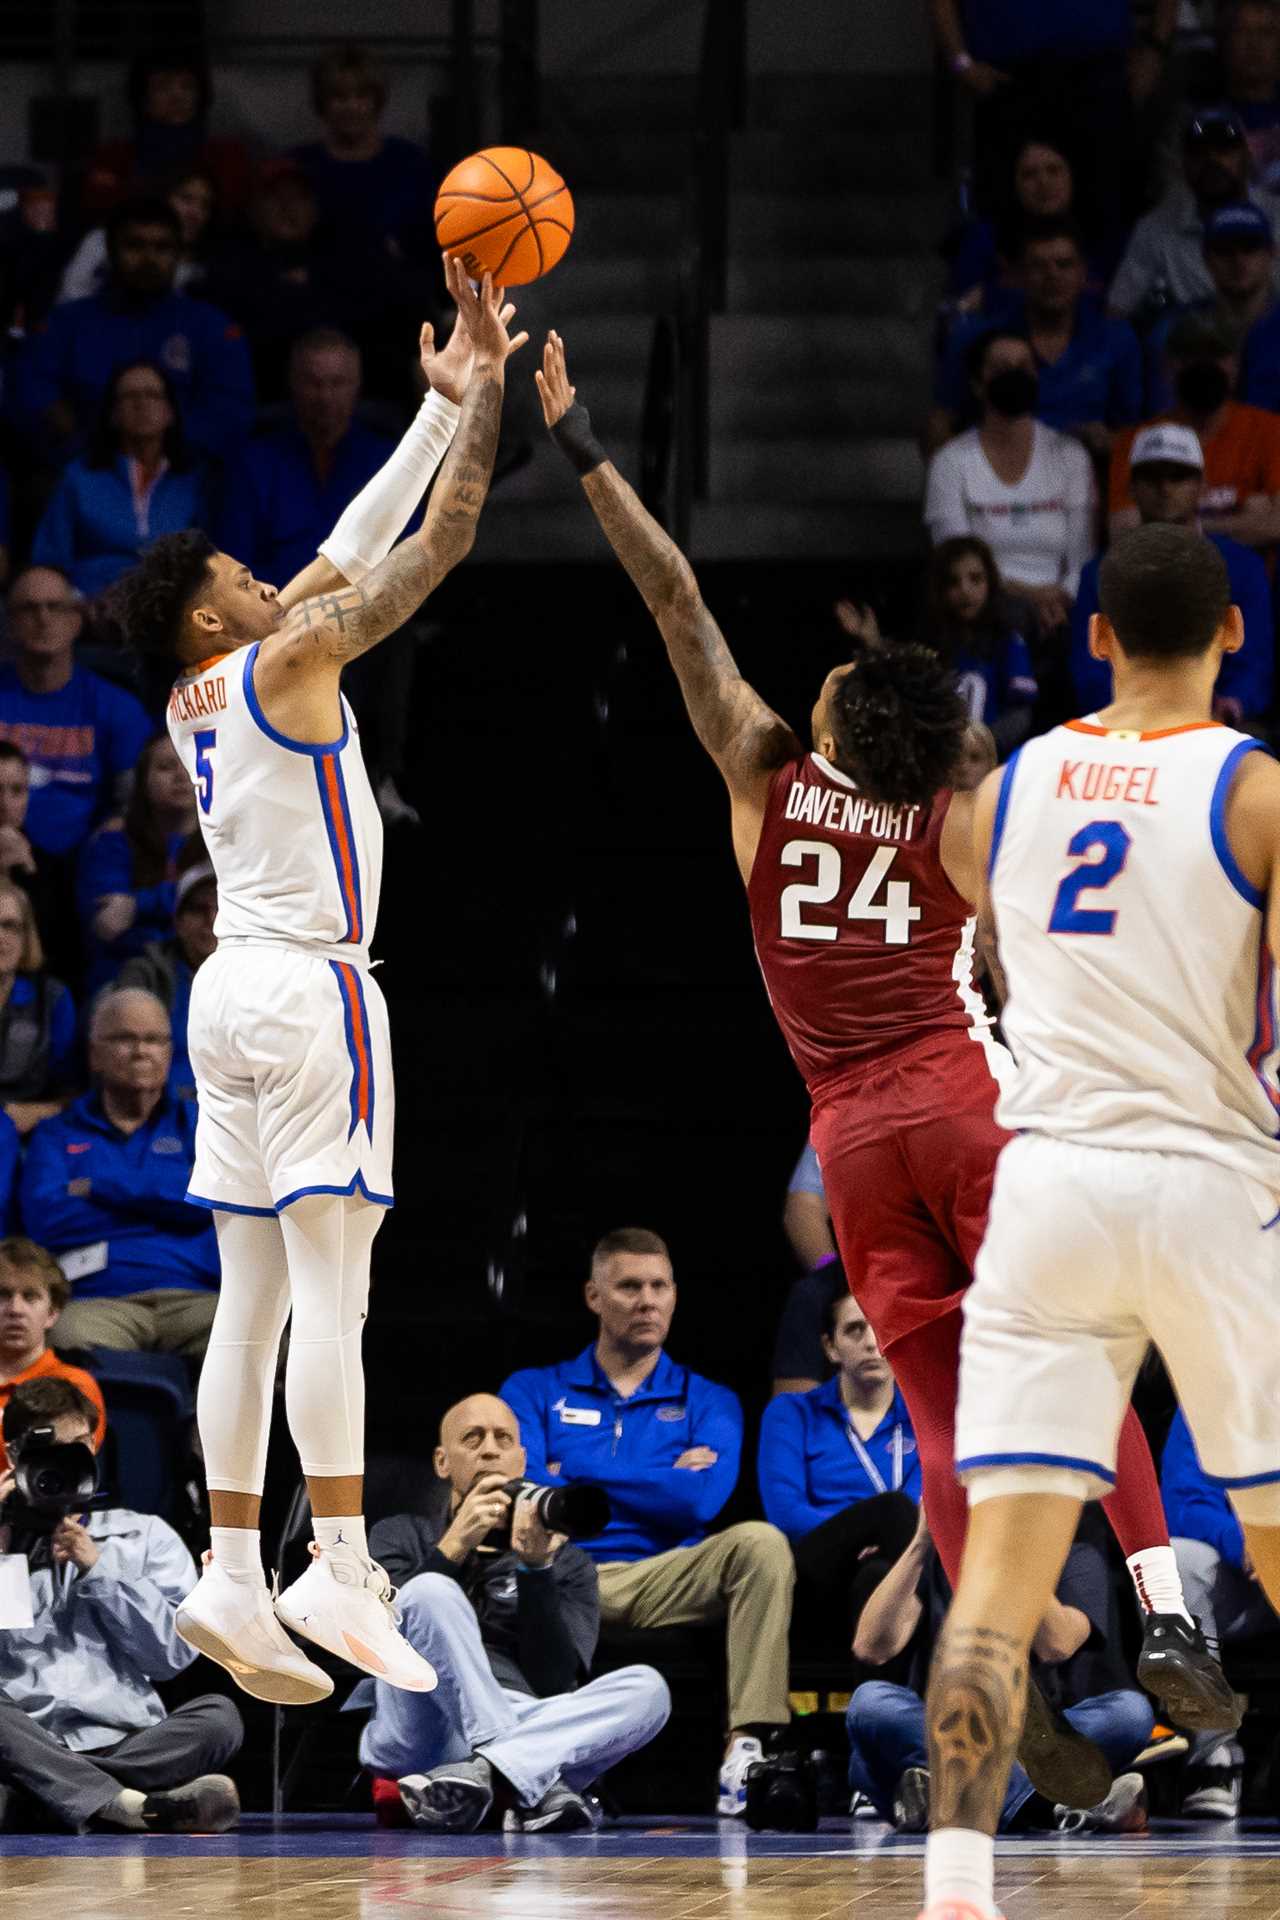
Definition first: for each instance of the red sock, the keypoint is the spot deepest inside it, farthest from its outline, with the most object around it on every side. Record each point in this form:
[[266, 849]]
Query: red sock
[[1135, 1509], [926, 1364]]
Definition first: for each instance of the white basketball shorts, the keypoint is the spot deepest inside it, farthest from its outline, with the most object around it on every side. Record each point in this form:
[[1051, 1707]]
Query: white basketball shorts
[[292, 1058], [1090, 1252]]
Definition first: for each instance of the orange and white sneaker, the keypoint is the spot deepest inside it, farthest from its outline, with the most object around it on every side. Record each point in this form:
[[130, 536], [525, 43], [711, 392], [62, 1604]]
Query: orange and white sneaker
[[233, 1622], [345, 1604]]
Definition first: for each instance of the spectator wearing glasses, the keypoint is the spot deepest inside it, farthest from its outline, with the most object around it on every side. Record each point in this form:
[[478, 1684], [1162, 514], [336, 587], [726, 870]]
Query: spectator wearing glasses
[[81, 734], [126, 887], [37, 1021], [104, 1188]]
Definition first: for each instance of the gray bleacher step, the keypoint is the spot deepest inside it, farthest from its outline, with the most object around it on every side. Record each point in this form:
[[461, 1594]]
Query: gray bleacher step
[[908, 285], [831, 159], [806, 100], [755, 530], [875, 223], [856, 470], [806, 349], [628, 223], [834, 404]]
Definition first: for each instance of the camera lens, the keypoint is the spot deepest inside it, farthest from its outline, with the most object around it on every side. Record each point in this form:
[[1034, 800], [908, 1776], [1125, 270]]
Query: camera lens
[[48, 1484]]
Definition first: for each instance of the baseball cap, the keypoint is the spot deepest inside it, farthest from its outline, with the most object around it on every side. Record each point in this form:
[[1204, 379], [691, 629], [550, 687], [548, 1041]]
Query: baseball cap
[[197, 876], [1201, 336], [1213, 127], [1240, 224], [1166, 445]]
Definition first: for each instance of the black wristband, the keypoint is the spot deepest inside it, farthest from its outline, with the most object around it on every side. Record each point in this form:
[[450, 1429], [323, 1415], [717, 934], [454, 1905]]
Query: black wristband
[[576, 441]]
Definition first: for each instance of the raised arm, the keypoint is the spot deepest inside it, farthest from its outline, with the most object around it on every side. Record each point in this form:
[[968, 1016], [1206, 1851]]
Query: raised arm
[[297, 670], [744, 737]]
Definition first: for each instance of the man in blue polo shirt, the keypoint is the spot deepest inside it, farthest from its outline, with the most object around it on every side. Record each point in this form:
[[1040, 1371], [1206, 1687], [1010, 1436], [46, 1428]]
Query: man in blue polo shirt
[[1166, 472], [1239, 253], [666, 1444], [104, 1189]]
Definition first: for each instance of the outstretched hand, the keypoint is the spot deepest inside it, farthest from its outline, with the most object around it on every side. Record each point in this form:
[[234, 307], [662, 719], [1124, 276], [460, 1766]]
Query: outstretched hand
[[448, 368], [553, 381], [484, 314]]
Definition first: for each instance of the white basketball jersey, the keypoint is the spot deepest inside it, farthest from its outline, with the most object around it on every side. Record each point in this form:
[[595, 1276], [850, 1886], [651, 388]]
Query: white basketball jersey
[[293, 831], [1142, 1004]]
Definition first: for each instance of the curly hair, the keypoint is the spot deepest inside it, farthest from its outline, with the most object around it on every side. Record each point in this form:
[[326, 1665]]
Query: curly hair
[[899, 723], [149, 603]]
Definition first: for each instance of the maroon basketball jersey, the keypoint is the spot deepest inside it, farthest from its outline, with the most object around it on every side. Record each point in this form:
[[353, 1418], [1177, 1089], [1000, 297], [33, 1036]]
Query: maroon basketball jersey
[[865, 945]]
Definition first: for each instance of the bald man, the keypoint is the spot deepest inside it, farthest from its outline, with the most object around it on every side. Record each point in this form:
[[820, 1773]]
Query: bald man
[[508, 1615], [104, 1189]]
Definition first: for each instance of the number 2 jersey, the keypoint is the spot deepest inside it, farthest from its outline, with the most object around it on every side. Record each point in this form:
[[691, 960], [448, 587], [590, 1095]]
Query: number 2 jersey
[[865, 946], [1142, 996], [293, 831]]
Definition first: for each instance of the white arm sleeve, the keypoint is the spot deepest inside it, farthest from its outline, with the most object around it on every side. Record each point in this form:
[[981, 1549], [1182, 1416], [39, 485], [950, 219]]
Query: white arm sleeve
[[368, 529]]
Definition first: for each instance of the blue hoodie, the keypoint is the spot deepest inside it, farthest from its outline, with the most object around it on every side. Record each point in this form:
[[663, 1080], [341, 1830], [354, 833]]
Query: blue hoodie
[[808, 1468], [1194, 1507], [575, 1427]]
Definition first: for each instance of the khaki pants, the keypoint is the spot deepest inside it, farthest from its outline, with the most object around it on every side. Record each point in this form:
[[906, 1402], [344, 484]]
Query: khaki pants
[[743, 1576], [170, 1320]]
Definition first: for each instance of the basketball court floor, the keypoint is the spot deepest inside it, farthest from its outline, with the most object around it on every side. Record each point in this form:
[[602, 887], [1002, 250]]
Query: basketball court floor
[[326, 1868]]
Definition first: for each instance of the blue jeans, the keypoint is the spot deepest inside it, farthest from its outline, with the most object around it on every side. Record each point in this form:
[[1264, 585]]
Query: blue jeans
[[887, 1735], [574, 1737]]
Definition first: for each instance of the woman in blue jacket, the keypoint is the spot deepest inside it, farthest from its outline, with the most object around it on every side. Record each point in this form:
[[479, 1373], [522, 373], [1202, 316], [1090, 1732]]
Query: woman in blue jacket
[[839, 1472], [136, 481], [126, 882]]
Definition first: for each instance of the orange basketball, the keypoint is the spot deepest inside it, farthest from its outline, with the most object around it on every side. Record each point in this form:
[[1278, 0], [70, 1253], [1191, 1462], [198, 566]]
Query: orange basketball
[[505, 212]]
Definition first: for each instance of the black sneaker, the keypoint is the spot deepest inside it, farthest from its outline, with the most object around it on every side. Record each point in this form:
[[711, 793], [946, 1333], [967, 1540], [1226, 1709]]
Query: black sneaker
[[1177, 1667], [1063, 1766], [453, 1798], [911, 1801], [207, 1805], [560, 1810]]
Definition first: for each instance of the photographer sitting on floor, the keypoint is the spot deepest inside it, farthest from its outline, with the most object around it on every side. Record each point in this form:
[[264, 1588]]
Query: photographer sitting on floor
[[84, 1738], [508, 1614]]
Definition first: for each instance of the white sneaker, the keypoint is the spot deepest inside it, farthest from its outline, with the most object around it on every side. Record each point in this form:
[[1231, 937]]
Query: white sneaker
[[745, 1752], [344, 1603], [1214, 1787], [233, 1622]]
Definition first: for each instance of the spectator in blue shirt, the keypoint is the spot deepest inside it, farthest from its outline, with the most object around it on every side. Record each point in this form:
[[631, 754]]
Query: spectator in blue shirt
[[1090, 365], [367, 183], [666, 1445], [81, 734], [135, 482], [970, 620], [168, 967], [38, 1065], [839, 1473], [129, 868], [67, 364], [1239, 252], [1166, 475], [1223, 1594], [805, 1217], [104, 1188]]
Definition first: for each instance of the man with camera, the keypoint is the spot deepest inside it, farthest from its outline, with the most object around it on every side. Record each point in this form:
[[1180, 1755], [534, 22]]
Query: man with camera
[[33, 1292], [88, 1597], [507, 1613]]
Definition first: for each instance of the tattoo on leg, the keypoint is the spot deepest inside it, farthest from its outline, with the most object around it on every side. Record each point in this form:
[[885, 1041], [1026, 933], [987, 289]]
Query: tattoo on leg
[[977, 1704]]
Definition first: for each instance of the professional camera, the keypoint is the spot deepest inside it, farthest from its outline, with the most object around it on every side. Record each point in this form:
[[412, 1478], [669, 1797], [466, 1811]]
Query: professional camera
[[50, 1481], [580, 1512], [782, 1794]]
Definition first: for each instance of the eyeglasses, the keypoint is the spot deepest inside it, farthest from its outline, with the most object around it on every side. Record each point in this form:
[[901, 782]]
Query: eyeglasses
[[27, 607], [156, 1040], [13, 926]]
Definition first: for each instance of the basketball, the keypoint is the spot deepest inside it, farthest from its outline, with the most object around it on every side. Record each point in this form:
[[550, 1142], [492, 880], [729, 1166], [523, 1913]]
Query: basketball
[[506, 212]]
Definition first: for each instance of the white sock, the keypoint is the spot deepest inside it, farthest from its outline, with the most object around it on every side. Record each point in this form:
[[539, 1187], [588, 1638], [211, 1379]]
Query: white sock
[[238, 1551], [346, 1530], [1156, 1581], [125, 1810], [960, 1865]]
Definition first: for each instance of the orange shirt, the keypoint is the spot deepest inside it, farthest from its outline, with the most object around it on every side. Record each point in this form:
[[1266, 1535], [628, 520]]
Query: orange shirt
[[48, 1366], [1241, 458]]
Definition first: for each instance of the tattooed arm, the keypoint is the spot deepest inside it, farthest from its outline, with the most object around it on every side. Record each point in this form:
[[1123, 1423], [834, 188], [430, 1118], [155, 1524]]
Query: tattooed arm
[[297, 670], [744, 736]]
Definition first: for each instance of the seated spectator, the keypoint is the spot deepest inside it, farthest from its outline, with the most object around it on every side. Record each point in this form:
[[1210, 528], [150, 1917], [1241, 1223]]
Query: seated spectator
[[515, 1725], [1088, 363], [1240, 496], [1165, 258], [982, 261], [1249, 45], [33, 1292], [135, 481], [367, 183], [38, 1066], [127, 881], [1076, 1660], [800, 1360], [1022, 487], [167, 967], [67, 364], [170, 95], [1166, 476], [191, 194], [970, 622], [104, 1188], [20, 862], [666, 1445], [1223, 1594], [81, 734], [978, 758], [839, 1473], [85, 1739], [1239, 251]]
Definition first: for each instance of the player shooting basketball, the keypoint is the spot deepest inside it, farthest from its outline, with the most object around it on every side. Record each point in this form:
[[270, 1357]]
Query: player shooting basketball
[[861, 877], [288, 1031]]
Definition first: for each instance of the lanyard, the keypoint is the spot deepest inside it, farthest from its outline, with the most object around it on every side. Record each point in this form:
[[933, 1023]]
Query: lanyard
[[869, 1466]]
